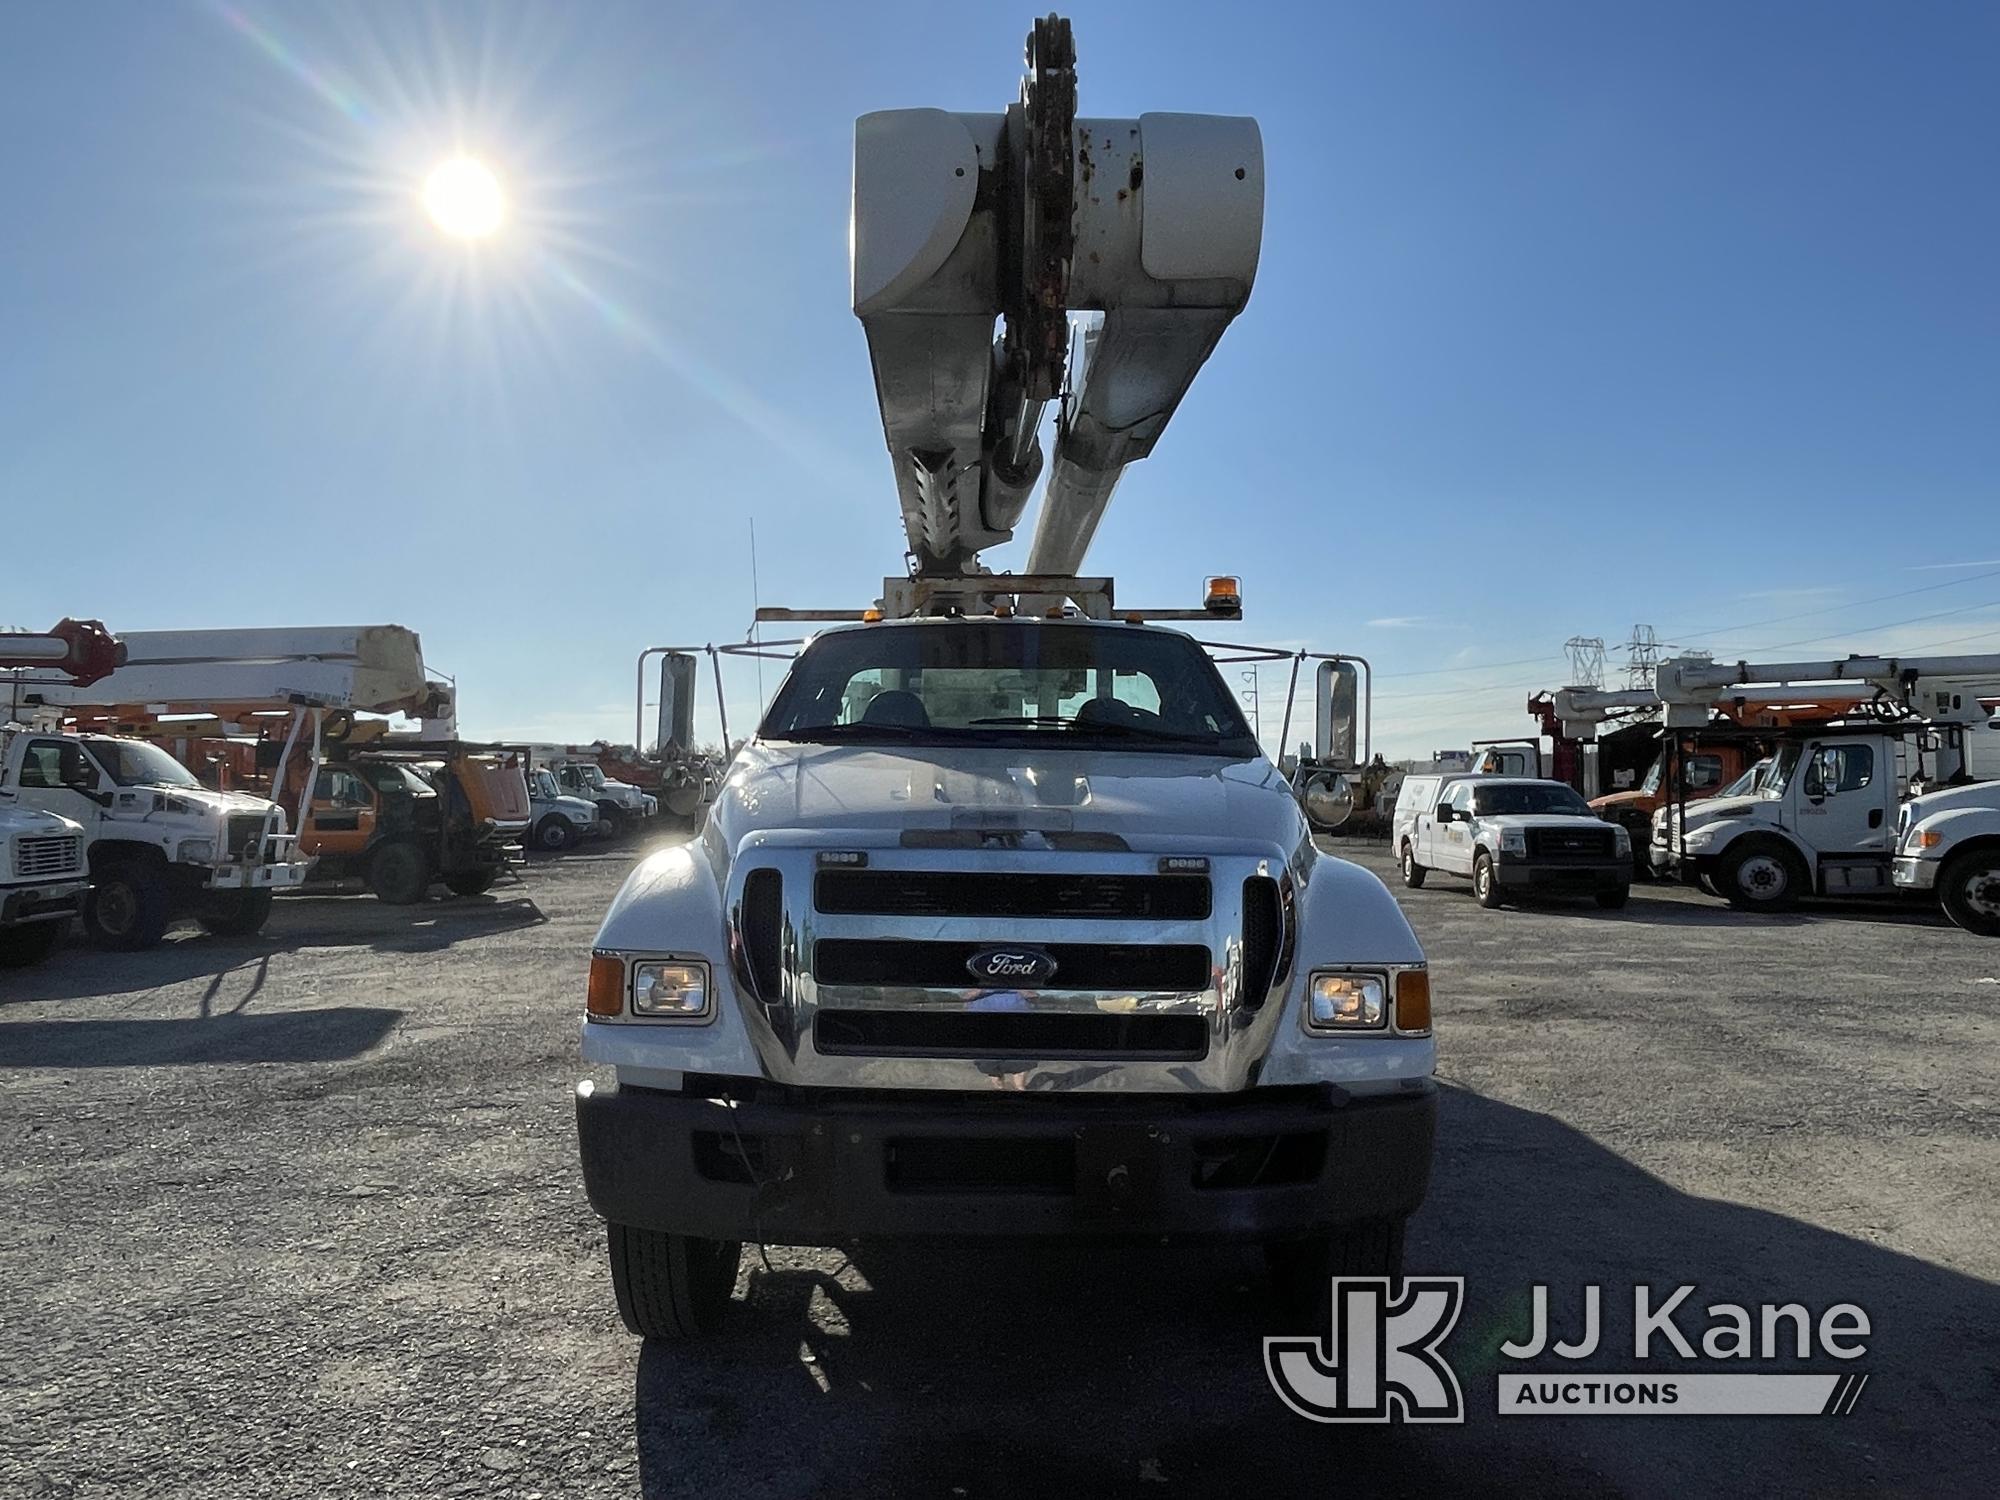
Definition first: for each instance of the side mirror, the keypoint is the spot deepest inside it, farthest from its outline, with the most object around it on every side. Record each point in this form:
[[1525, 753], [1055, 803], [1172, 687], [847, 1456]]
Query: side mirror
[[1444, 813], [1328, 800], [1336, 719], [677, 693]]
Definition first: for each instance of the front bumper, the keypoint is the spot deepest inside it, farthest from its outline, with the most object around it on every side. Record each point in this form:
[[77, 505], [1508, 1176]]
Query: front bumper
[[48, 902], [279, 875], [1910, 872], [811, 1167], [1517, 875]]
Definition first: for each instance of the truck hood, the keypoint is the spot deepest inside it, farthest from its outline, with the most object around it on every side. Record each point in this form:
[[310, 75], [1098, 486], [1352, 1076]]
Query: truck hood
[[32, 822], [1952, 798], [1757, 809], [1611, 801], [1150, 800], [200, 802]]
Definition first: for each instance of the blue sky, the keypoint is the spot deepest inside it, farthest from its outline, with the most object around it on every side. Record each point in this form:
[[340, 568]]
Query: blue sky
[[1570, 316]]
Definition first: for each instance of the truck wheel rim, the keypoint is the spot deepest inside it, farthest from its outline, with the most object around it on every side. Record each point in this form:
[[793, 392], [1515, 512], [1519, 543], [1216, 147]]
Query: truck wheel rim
[[115, 908], [1762, 877], [552, 837], [1485, 878], [1982, 892]]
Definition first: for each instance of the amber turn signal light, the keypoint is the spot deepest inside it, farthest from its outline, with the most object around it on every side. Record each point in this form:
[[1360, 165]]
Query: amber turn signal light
[[607, 987], [1413, 1000]]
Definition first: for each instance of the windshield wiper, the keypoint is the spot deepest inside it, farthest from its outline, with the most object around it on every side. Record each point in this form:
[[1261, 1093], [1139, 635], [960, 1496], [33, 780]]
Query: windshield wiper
[[1102, 726], [814, 733]]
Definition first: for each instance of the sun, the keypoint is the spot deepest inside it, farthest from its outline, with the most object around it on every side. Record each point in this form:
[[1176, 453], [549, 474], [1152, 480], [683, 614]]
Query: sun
[[464, 199]]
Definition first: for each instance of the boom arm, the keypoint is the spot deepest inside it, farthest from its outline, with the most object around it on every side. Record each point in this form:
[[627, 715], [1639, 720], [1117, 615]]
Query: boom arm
[[82, 650], [962, 220]]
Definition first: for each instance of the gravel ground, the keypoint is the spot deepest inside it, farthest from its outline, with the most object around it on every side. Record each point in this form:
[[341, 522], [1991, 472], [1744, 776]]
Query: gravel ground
[[300, 1215]]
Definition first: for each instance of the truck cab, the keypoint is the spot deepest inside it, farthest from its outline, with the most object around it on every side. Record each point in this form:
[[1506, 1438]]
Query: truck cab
[[1703, 770], [42, 881], [1821, 821], [1510, 835], [1001, 926], [158, 843], [621, 805], [557, 819], [406, 818]]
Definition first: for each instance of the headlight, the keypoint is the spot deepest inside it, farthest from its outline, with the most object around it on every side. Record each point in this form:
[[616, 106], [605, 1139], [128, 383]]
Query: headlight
[[1346, 1002], [1513, 841], [1698, 838], [1927, 838], [1621, 840], [197, 851], [675, 991]]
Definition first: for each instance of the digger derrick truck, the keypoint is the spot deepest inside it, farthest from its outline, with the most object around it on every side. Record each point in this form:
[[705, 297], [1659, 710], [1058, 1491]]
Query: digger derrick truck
[[1001, 922]]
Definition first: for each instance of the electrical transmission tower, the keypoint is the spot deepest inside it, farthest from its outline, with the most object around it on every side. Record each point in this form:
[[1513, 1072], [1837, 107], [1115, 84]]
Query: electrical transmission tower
[[1642, 655], [1586, 660]]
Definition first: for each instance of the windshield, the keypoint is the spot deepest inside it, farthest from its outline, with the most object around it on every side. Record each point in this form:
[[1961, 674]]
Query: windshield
[[396, 779], [1530, 797], [590, 776], [1655, 776], [1100, 686], [1779, 776], [131, 763], [545, 785], [1746, 784]]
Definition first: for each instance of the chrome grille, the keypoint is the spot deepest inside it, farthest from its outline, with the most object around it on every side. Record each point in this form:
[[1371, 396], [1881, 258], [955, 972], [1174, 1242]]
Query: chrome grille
[[35, 858]]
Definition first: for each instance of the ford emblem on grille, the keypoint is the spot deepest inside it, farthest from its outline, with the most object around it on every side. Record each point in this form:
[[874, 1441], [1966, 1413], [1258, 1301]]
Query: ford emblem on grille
[[1026, 966]]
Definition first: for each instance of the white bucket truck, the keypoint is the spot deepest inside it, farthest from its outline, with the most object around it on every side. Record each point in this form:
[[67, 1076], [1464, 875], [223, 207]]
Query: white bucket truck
[[1002, 923]]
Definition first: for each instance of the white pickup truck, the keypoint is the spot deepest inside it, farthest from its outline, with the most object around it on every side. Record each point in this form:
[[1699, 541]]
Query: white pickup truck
[[158, 843], [1001, 926], [42, 881]]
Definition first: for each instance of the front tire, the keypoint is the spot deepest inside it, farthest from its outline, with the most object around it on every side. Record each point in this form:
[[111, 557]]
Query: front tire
[[1969, 891], [472, 882], [1615, 898], [555, 833], [1760, 875], [1301, 1269], [671, 1286], [28, 943], [1413, 873], [617, 823], [128, 907], [235, 913], [400, 873], [1485, 880]]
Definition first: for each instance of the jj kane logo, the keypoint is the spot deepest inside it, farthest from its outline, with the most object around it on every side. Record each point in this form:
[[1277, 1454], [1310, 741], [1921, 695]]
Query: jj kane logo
[[1381, 1360], [1028, 966], [1381, 1356]]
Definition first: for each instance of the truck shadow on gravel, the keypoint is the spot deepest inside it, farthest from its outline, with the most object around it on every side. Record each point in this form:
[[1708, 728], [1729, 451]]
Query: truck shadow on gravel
[[974, 1370], [332, 1034], [78, 971]]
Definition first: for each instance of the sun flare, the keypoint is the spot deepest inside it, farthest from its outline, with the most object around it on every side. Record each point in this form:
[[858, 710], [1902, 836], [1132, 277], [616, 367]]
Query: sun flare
[[464, 199]]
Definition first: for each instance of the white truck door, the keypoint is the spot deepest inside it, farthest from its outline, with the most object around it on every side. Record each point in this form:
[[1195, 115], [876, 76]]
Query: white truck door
[[1454, 852], [1847, 796], [57, 776]]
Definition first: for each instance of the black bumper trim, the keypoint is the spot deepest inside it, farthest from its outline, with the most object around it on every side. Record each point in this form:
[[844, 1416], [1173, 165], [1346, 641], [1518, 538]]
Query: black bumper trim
[[826, 1167]]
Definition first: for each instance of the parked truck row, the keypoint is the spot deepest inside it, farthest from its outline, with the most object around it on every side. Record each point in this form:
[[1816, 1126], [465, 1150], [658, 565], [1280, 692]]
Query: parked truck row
[[198, 775]]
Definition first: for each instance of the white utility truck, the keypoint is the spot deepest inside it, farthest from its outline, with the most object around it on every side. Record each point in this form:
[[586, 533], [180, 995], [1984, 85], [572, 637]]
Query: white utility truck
[[1002, 923], [1835, 814], [159, 843]]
